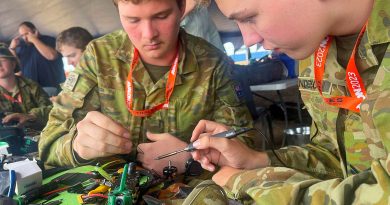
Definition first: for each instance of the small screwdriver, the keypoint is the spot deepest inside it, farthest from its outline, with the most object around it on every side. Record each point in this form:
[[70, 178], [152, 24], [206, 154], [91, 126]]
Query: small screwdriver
[[226, 134]]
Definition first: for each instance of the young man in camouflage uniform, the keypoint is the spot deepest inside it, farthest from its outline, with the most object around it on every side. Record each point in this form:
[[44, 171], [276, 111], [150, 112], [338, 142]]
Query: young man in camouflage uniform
[[348, 160], [21, 100], [106, 105]]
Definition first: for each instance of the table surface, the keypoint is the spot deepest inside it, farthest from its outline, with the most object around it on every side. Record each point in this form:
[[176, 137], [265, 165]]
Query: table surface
[[276, 85]]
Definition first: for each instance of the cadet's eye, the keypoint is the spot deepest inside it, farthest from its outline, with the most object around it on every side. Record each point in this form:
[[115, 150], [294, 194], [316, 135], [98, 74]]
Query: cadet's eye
[[249, 19], [132, 20], [162, 16]]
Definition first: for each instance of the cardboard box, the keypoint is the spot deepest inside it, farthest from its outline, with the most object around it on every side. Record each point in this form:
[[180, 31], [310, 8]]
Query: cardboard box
[[28, 175]]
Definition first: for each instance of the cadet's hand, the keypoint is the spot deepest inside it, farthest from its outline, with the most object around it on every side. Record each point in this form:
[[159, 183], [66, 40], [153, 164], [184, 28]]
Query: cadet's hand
[[15, 42], [99, 136], [214, 151], [32, 37], [162, 144], [21, 118], [207, 127]]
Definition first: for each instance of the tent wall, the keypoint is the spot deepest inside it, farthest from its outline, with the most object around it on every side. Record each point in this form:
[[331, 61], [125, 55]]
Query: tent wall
[[53, 16]]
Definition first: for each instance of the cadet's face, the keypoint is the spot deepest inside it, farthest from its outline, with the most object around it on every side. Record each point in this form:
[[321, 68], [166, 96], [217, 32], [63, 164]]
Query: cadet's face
[[282, 25], [7, 67], [72, 54], [153, 28]]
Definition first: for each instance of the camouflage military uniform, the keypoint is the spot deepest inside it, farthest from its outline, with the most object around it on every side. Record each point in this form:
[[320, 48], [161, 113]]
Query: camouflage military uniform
[[203, 90], [316, 173], [34, 100]]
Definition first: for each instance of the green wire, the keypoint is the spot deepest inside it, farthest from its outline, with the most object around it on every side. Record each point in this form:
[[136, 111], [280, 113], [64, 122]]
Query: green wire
[[103, 173], [123, 179]]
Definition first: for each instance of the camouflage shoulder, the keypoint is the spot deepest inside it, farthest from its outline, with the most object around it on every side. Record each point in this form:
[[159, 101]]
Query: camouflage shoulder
[[71, 81]]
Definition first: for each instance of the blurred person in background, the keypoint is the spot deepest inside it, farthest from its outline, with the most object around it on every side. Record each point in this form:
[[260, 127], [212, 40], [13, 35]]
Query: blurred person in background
[[198, 22], [22, 101], [39, 61], [72, 42]]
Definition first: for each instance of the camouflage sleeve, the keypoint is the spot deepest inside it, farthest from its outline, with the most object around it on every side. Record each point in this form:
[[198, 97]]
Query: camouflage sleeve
[[78, 97], [280, 185], [45, 105], [319, 158], [230, 108], [379, 105], [309, 158]]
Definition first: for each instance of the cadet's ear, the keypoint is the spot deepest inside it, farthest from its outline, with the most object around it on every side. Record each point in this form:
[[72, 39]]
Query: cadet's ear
[[182, 5]]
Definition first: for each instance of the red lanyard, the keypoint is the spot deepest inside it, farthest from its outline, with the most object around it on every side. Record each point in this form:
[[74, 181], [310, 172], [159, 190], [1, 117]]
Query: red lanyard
[[353, 80], [13, 100], [168, 90]]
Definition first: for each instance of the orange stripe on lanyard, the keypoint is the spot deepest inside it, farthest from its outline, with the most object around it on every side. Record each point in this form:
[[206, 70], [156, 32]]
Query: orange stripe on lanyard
[[353, 80], [12, 99], [168, 90]]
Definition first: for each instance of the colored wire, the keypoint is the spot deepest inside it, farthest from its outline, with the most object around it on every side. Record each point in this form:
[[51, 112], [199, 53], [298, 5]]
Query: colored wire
[[55, 191], [272, 146], [12, 183], [103, 173]]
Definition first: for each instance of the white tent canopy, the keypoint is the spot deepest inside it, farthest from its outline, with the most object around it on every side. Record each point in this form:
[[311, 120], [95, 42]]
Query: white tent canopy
[[52, 16]]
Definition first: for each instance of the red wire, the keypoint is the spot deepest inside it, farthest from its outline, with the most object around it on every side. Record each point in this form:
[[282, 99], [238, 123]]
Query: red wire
[[56, 190]]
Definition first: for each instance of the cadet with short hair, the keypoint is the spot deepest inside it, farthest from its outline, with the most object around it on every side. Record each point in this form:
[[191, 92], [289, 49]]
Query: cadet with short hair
[[345, 47], [21, 99], [72, 42], [150, 76]]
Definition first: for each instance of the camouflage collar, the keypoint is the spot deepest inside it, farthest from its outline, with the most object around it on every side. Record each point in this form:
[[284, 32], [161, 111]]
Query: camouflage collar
[[3, 90], [20, 83], [187, 58], [125, 49]]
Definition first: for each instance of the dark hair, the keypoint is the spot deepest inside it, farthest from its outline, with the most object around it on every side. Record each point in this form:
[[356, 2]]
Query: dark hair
[[75, 36], [29, 25], [179, 2]]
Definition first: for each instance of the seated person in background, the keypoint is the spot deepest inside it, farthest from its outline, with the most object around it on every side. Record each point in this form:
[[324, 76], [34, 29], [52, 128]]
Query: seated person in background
[[71, 43], [39, 60], [21, 100], [198, 22], [116, 99]]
